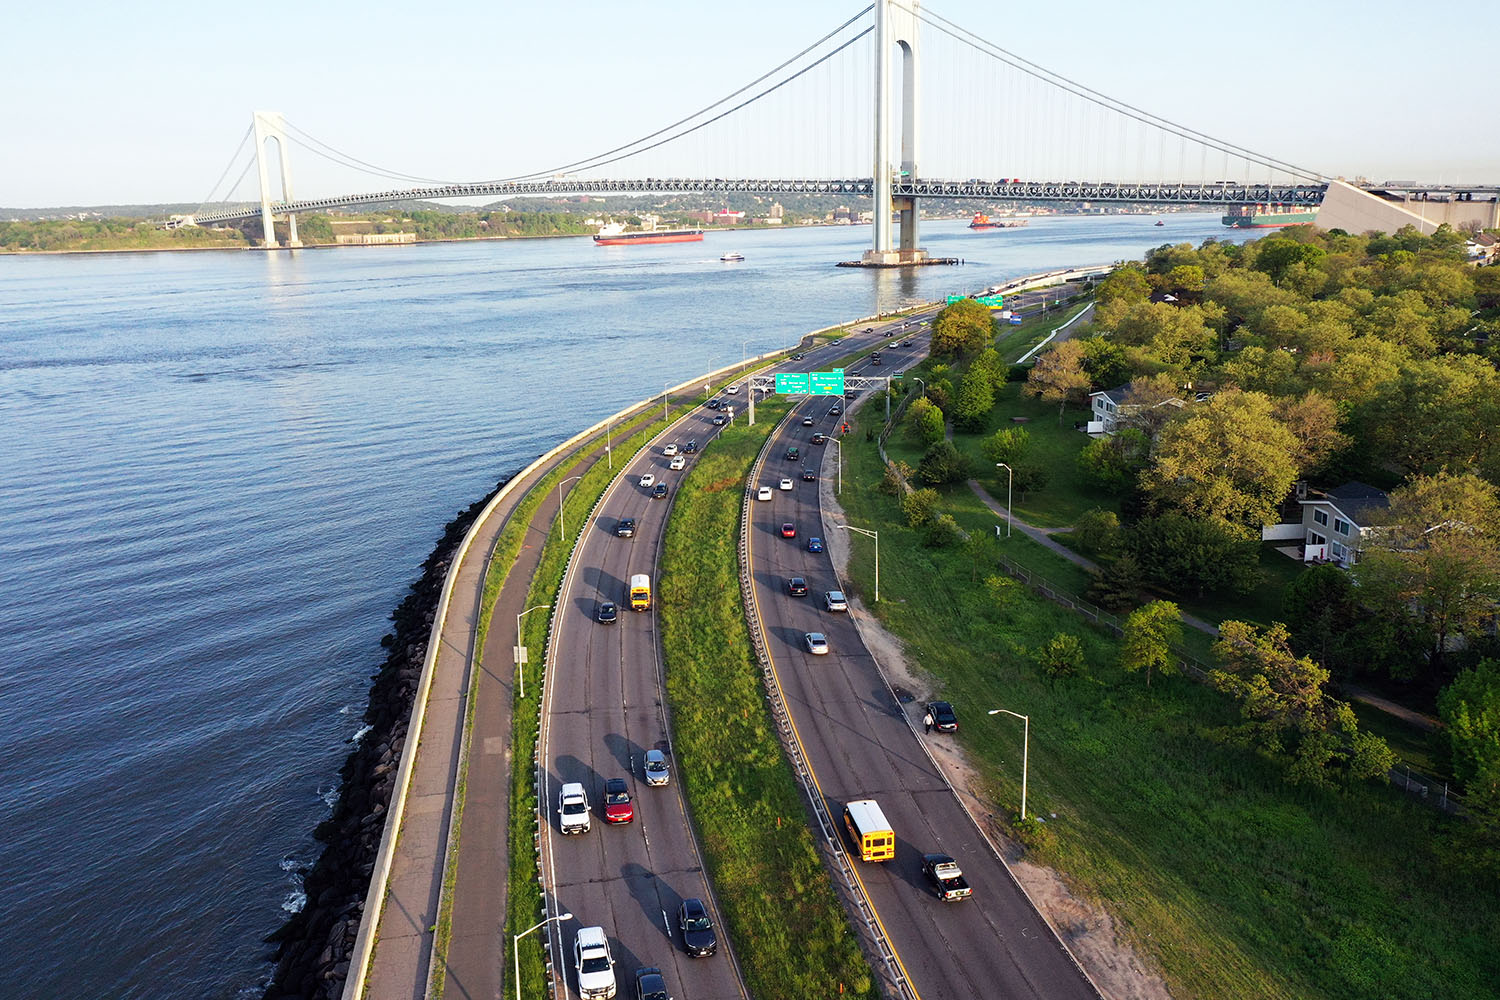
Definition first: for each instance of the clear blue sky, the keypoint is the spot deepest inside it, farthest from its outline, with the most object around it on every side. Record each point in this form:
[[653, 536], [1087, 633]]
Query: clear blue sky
[[110, 103]]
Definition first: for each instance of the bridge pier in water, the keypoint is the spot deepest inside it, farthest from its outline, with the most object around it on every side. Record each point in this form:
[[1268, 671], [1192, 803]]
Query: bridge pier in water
[[895, 25]]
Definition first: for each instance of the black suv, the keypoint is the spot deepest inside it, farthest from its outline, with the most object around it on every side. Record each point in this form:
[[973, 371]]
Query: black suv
[[944, 719], [691, 448], [808, 475], [796, 586], [626, 527], [659, 491]]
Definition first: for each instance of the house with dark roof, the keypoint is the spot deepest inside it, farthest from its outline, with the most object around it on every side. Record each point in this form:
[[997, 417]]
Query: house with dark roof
[[1336, 523], [1108, 408]]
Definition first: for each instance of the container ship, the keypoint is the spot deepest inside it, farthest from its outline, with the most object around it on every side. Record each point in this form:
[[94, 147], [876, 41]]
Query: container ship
[[1267, 216], [614, 235], [985, 222]]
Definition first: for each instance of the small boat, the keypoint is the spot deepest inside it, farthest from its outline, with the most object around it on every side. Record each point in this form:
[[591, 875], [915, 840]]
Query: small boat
[[1160, 223], [731, 255]]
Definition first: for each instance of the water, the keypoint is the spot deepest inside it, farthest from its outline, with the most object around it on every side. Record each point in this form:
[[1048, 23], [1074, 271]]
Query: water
[[218, 474]]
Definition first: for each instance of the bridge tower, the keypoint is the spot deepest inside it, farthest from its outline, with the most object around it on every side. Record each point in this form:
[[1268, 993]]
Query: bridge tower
[[895, 25], [271, 125]]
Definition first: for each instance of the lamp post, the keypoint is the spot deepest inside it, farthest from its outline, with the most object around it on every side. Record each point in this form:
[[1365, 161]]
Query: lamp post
[[560, 523], [1025, 750], [521, 649], [516, 945], [609, 455], [664, 387], [918, 378], [835, 443], [875, 535], [1010, 477]]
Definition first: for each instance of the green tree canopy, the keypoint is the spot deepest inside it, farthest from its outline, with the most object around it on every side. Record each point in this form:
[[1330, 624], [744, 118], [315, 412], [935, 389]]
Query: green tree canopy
[[1149, 634], [962, 329], [1227, 459], [1058, 376]]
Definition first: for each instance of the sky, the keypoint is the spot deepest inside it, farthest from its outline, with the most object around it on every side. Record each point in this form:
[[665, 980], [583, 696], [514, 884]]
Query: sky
[[110, 103]]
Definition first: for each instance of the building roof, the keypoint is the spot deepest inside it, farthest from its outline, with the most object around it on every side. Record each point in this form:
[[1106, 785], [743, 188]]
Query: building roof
[[1116, 395], [1360, 501]]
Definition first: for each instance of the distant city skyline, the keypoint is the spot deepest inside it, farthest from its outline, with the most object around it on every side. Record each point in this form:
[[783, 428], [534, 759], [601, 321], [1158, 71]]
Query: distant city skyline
[[134, 107]]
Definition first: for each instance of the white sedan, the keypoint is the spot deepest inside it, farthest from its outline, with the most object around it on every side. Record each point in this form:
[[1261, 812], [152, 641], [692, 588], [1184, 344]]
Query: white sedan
[[816, 644], [786, 484], [669, 450], [648, 481], [764, 493], [678, 462]]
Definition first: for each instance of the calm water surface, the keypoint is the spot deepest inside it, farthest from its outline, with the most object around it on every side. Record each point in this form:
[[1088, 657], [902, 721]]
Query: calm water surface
[[220, 472]]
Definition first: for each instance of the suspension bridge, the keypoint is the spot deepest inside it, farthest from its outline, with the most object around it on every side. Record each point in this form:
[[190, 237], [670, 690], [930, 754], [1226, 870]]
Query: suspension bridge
[[853, 114]]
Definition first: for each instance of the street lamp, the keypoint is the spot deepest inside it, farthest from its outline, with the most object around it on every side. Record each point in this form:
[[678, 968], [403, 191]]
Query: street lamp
[[560, 522], [609, 455], [1010, 478], [664, 387], [1025, 750], [516, 945], [835, 443], [521, 648], [875, 535], [918, 378]]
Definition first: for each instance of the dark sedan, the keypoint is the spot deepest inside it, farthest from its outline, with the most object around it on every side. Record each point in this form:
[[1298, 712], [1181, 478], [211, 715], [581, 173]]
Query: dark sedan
[[944, 719], [698, 935]]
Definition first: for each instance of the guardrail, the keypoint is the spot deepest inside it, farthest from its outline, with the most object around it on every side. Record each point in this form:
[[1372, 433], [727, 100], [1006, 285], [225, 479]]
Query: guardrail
[[978, 827], [374, 904], [793, 743]]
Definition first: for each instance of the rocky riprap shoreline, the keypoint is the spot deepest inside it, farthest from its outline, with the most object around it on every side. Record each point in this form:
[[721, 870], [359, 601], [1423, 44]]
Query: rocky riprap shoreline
[[313, 947]]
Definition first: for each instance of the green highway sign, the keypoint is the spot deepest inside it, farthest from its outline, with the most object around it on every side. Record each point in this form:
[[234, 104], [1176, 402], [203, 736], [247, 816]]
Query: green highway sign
[[789, 382], [956, 298], [993, 301], [828, 383]]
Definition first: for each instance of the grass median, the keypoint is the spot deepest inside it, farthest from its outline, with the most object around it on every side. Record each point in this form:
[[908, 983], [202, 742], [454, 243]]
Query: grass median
[[790, 933], [1234, 883]]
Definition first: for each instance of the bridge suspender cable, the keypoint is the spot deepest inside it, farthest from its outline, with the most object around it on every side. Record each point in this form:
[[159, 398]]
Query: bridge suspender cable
[[353, 160], [227, 167], [1025, 65], [594, 161]]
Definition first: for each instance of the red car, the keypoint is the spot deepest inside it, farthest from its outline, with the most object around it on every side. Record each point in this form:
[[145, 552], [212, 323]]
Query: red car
[[617, 805], [789, 530]]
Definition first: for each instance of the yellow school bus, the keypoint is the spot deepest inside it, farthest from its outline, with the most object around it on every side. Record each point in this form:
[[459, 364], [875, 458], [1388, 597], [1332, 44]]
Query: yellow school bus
[[873, 837], [640, 592]]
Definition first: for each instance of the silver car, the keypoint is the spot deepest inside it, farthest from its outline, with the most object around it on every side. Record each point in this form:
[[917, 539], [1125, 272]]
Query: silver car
[[816, 644], [658, 772]]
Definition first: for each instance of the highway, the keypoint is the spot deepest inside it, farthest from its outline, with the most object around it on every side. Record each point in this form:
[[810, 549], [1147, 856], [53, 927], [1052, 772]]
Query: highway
[[602, 711], [861, 744]]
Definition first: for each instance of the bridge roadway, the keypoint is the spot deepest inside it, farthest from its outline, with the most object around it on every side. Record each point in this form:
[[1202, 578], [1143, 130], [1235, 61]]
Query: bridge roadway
[[604, 708], [861, 743], [1013, 189]]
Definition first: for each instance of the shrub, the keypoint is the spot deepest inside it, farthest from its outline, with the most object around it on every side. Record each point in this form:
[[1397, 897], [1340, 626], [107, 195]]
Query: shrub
[[941, 532], [920, 507], [1007, 445], [943, 464]]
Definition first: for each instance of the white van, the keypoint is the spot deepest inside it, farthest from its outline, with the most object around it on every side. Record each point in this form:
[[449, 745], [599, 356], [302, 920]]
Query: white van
[[573, 809]]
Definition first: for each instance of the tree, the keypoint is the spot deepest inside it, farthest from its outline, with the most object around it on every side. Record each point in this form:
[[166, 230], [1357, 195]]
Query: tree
[[1105, 361], [1228, 459], [1062, 656], [1149, 634], [1008, 444], [1470, 708], [1434, 414], [920, 507], [924, 423], [982, 550], [1150, 402], [1277, 256], [1178, 339], [1116, 461], [993, 366], [941, 532], [1439, 553], [1284, 700], [962, 329], [1098, 532], [1314, 423], [1117, 585], [1126, 283], [1030, 477], [976, 394], [1058, 376], [943, 464], [1194, 556], [1319, 606]]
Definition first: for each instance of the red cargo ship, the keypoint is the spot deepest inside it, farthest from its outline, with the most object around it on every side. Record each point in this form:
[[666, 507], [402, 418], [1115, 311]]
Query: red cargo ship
[[614, 235], [985, 222]]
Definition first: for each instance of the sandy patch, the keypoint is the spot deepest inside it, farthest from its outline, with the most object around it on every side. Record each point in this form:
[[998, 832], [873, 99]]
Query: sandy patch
[[1093, 936]]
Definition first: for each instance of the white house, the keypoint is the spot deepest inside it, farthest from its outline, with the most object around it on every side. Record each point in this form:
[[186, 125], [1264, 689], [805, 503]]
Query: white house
[[1108, 408], [1335, 523]]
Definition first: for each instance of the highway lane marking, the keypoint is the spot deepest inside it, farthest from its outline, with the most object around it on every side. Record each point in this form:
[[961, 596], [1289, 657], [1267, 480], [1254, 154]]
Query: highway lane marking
[[806, 760]]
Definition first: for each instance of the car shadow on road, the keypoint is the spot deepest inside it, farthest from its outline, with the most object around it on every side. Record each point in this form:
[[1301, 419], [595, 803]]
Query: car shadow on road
[[654, 895], [625, 751]]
